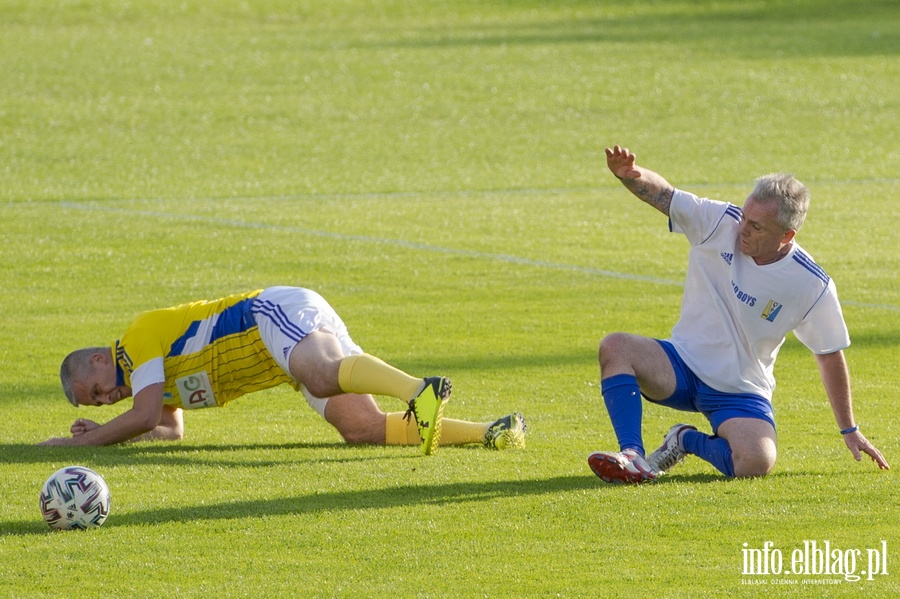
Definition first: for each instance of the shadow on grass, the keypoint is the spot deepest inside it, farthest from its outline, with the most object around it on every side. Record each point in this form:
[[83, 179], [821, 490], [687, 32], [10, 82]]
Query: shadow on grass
[[175, 454], [719, 478], [801, 27], [400, 496], [353, 500]]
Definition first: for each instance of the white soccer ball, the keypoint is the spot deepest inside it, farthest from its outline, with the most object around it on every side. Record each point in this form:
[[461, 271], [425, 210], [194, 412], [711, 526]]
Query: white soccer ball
[[75, 497]]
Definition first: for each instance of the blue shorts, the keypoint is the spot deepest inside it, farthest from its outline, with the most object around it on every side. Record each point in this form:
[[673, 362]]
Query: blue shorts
[[693, 395]]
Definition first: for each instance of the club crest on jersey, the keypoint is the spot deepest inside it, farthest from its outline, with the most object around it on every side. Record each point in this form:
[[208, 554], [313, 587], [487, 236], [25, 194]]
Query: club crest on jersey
[[195, 391], [771, 311]]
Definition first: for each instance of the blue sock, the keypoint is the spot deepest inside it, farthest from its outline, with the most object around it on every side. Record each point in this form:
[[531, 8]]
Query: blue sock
[[714, 450], [622, 396]]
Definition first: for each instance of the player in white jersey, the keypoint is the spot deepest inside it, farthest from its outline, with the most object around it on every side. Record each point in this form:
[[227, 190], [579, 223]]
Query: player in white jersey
[[748, 284]]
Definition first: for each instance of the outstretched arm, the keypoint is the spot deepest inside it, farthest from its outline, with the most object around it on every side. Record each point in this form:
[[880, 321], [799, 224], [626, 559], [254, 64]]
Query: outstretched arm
[[647, 185], [836, 378], [144, 417]]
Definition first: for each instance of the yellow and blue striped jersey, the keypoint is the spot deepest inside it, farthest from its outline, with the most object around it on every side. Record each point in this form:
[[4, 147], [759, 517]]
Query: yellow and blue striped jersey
[[207, 353]]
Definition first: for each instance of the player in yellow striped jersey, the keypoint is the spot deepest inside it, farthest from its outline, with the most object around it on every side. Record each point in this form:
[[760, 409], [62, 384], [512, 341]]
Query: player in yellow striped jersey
[[208, 353]]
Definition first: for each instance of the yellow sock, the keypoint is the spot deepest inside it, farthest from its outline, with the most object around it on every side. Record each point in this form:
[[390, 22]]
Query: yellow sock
[[453, 432], [461, 432], [398, 431], [365, 374]]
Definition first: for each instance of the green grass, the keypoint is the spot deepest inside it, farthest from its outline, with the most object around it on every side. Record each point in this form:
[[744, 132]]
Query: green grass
[[434, 169]]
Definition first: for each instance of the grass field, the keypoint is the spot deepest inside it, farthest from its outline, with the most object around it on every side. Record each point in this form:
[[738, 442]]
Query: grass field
[[435, 170]]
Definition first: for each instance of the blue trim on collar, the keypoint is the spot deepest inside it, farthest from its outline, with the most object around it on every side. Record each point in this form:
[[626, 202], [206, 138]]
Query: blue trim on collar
[[120, 373]]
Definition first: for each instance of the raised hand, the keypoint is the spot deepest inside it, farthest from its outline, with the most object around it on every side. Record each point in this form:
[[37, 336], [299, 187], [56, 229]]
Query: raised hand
[[621, 162]]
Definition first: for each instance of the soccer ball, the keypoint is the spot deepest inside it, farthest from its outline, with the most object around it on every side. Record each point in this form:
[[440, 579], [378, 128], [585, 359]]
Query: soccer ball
[[75, 497]]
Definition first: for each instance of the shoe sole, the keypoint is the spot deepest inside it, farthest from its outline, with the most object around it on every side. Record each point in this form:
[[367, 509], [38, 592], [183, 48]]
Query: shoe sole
[[610, 470], [433, 436], [509, 438]]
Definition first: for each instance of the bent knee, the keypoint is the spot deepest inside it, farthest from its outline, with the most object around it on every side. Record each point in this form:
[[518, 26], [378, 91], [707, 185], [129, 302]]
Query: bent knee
[[361, 433], [753, 465], [318, 387], [612, 341], [359, 437], [614, 344], [357, 418]]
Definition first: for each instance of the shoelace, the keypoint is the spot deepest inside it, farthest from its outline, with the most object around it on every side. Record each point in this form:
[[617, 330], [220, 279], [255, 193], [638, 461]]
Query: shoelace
[[669, 458], [410, 412]]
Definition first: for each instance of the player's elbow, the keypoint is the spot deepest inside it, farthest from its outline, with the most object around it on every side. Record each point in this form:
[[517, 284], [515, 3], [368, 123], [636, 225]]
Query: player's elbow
[[163, 433], [168, 429], [172, 435], [145, 421], [177, 433]]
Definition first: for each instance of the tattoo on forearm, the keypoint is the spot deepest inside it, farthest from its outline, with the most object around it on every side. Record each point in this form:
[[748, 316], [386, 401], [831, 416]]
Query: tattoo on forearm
[[663, 200], [660, 197]]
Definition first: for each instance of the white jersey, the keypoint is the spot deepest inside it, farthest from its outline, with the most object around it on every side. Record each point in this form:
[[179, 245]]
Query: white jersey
[[734, 313]]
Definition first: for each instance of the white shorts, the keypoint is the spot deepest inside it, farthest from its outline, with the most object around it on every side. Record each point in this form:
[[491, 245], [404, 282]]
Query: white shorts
[[285, 315]]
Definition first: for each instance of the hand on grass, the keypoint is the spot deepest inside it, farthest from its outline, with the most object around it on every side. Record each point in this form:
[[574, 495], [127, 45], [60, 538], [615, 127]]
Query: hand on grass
[[78, 428], [59, 441], [858, 445], [81, 426]]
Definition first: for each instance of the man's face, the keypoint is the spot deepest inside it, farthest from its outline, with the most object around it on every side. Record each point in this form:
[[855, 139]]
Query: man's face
[[99, 387], [760, 235]]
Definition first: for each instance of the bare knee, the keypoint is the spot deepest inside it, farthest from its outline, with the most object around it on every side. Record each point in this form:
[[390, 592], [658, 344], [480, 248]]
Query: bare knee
[[642, 357], [318, 385], [614, 346], [357, 418], [753, 446], [753, 458], [748, 465], [318, 373], [360, 436]]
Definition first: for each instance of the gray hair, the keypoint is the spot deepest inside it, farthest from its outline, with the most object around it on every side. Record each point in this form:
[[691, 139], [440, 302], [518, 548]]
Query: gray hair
[[75, 367], [791, 195]]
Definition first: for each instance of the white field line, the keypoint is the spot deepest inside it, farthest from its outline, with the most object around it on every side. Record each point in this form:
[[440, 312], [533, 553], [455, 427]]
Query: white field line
[[410, 245]]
